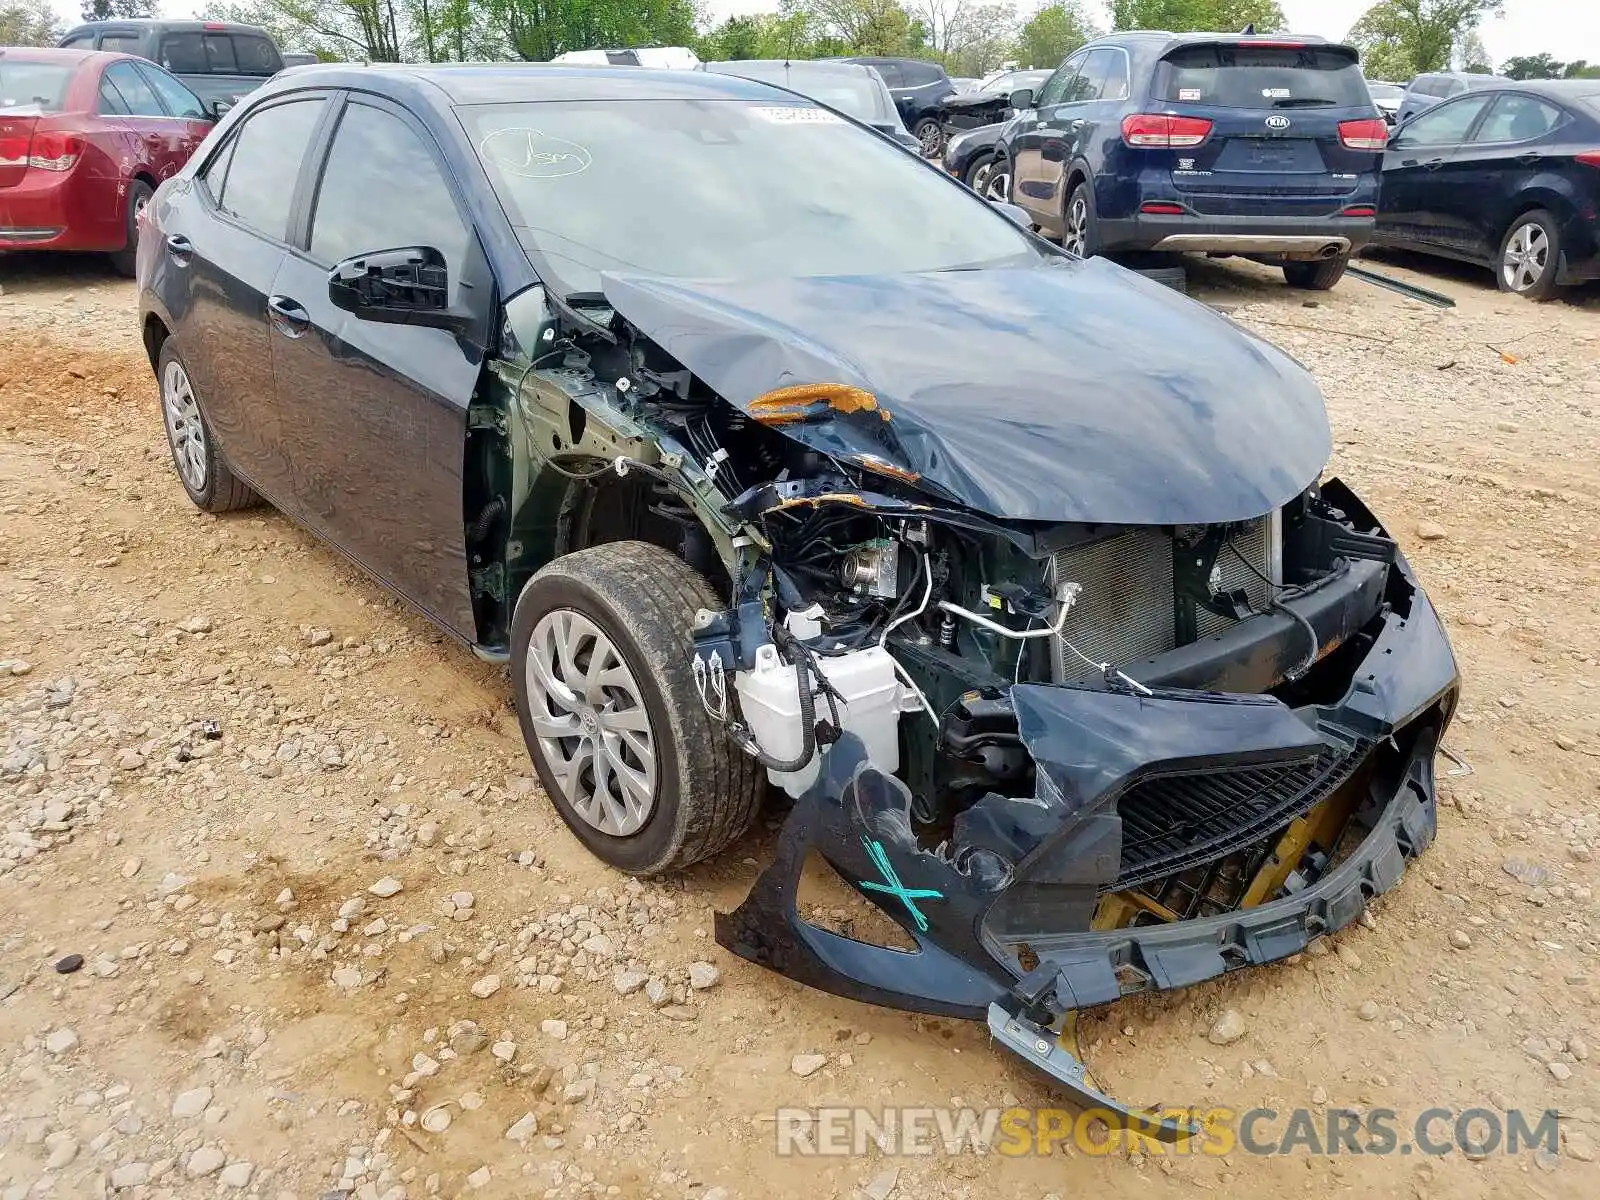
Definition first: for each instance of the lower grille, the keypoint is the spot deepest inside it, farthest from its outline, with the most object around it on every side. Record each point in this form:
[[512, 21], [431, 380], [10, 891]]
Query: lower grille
[[1176, 822], [1124, 614]]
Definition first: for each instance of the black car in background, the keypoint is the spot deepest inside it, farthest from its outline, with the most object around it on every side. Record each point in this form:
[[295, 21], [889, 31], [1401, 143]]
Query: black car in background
[[219, 61], [1507, 178], [1221, 143], [970, 156], [763, 455], [919, 89], [855, 90]]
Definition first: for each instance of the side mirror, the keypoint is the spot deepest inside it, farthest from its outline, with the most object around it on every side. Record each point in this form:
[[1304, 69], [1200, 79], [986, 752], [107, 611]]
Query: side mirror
[[409, 286], [1021, 99], [219, 108], [1017, 215]]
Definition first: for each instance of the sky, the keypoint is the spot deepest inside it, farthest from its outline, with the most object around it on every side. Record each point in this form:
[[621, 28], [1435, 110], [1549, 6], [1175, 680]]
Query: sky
[[1569, 29]]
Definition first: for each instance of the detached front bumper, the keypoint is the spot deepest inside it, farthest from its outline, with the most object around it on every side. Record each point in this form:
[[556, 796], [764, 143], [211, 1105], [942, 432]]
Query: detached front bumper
[[1003, 912]]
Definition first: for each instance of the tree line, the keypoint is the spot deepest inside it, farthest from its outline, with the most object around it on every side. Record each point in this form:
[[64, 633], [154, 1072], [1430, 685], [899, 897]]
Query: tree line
[[1397, 38]]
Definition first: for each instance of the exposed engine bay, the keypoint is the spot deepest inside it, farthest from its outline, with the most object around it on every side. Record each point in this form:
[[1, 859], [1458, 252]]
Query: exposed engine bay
[[1073, 758]]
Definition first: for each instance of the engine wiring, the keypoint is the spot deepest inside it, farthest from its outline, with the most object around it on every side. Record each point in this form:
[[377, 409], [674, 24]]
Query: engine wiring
[[1276, 593]]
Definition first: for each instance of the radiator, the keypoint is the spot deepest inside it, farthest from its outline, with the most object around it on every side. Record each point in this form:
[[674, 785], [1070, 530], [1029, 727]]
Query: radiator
[[1124, 614]]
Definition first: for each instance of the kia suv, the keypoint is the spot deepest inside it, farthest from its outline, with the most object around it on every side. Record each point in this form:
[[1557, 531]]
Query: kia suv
[[1268, 147]]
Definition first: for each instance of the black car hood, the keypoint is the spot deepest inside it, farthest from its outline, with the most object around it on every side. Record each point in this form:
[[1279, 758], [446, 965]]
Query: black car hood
[[977, 100], [1077, 391]]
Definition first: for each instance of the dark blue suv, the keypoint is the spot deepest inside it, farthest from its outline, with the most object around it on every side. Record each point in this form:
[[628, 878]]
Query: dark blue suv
[[1265, 146]]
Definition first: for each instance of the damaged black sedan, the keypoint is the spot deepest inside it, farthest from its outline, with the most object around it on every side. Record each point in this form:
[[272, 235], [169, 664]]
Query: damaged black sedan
[[775, 461]]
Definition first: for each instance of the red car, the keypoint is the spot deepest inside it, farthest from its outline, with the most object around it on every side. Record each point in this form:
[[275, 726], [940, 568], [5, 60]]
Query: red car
[[85, 139]]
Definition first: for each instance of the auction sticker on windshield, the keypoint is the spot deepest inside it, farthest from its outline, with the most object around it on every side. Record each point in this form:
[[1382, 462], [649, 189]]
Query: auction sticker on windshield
[[786, 115]]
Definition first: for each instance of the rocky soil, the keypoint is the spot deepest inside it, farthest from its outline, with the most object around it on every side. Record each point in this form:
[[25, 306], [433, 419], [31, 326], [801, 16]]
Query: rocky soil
[[283, 913]]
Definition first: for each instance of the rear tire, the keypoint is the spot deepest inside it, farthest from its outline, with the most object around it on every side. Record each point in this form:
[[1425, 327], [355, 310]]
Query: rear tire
[[126, 260], [1080, 229], [1530, 256], [629, 757], [204, 472], [930, 135], [1316, 276]]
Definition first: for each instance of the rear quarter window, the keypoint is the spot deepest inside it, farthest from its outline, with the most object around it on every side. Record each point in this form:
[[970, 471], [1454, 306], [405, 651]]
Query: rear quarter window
[[255, 55], [1240, 76], [917, 74]]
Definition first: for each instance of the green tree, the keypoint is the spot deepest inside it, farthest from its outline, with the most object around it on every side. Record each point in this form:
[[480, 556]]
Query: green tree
[[866, 27], [1223, 16], [1539, 66], [28, 23], [538, 30], [108, 10], [762, 35], [1402, 38], [366, 30], [1054, 32]]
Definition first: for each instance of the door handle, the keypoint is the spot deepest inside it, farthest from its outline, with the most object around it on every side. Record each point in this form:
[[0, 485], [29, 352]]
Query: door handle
[[287, 316], [1531, 157], [1433, 164], [180, 248]]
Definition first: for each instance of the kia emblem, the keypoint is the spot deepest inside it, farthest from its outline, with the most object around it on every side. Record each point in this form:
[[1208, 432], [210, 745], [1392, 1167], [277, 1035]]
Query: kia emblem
[[1276, 122]]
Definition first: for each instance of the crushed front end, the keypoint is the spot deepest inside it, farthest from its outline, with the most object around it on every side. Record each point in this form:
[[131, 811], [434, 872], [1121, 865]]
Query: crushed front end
[[1221, 748]]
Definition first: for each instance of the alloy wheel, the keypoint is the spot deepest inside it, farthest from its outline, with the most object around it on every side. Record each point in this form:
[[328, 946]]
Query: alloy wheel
[[185, 431], [932, 138], [980, 177], [1526, 256], [997, 185], [587, 711], [1075, 231]]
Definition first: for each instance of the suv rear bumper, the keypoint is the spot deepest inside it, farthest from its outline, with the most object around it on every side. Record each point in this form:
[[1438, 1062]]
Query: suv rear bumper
[[1294, 237]]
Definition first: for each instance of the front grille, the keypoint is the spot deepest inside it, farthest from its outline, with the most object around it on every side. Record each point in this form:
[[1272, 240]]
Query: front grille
[[1124, 614], [1175, 822]]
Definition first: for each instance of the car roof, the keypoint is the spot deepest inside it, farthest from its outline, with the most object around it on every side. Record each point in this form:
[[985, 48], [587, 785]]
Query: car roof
[[503, 83], [163, 25], [818, 66], [1556, 89], [69, 56]]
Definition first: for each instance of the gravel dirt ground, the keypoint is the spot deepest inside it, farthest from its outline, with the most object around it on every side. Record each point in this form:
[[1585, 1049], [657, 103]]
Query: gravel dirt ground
[[345, 948]]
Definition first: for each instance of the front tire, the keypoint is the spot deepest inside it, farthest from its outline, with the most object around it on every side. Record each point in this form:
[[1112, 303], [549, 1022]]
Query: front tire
[[1530, 256], [930, 134], [1316, 276], [204, 472], [126, 260], [600, 655]]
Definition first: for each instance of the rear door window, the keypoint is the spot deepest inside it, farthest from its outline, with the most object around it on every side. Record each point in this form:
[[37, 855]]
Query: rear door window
[[33, 86], [265, 163], [139, 96], [1094, 77], [179, 100], [121, 43], [1443, 124], [917, 74], [79, 41], [890, 72], [1244, 76], [111, 102], [1517, 119], [219, 54]]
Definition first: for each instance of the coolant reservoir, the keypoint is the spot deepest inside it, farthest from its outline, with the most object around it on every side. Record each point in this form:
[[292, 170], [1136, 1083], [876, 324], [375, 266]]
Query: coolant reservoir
[[770, 701]]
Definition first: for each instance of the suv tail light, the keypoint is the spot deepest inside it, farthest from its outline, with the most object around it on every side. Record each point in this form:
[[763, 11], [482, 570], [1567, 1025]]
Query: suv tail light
[[1162, 131], [55, 150], [1370, 133], [1589, 158]]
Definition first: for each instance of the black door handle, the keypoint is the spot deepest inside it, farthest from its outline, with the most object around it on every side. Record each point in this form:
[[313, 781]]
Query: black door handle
[[289, 318], [1531, 157], [1433, 164], [180, 248]]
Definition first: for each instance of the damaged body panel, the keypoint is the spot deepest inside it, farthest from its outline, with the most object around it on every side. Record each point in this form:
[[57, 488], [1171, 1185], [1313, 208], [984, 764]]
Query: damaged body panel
[[1012, 575]]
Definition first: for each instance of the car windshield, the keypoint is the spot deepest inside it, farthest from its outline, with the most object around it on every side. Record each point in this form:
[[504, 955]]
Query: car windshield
[[724, 189], [851, 92], [1385, 91], [34, 87], [1245, 76]]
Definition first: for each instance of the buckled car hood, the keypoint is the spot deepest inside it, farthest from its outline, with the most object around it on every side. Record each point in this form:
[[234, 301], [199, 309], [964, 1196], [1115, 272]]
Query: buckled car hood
[[1075, 391]]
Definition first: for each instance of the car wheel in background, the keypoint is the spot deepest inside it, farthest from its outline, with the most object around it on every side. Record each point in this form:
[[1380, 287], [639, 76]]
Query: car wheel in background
[[600, 660], [1316, 276], [997, 186], [1530, 256], [202, 470], [1079, 231], [978, 172], [930, 135], [125, 261]]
